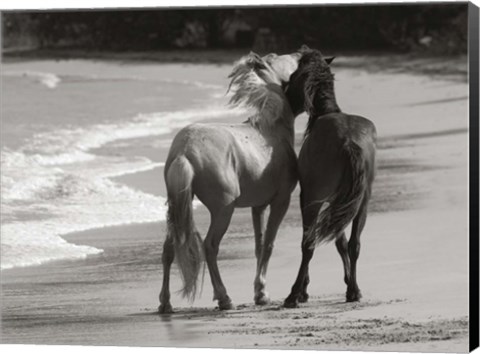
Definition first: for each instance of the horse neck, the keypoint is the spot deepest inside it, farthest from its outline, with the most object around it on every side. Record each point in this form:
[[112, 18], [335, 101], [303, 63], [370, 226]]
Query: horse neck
[[282, 128], [276, 123], [324, 101], [287, 120], [286, 125]]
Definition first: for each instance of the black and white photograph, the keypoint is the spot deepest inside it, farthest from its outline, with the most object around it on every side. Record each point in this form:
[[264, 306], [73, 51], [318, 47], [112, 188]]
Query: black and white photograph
[[290, 176]]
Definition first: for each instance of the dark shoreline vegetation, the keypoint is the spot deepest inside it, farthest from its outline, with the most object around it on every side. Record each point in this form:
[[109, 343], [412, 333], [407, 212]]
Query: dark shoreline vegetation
[[428, 28], [429, 39]]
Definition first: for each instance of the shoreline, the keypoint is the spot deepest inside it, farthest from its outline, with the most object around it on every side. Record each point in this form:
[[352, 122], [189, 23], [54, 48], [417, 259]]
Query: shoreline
[[452, 67]]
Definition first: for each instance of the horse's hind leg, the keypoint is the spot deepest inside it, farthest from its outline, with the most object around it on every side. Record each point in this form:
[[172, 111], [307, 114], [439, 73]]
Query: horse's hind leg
[[220, 219], [353, 292], [303, 296], [278, 208], [342, 247], [167, 259]]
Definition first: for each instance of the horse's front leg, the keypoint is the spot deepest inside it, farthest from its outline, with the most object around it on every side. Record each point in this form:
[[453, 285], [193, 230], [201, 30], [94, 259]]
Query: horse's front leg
[[258, 228], [220, 219], [299, 288], [278, 208]]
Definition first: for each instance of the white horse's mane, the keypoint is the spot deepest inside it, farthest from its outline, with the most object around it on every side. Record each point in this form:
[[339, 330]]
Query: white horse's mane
[[255, 84]]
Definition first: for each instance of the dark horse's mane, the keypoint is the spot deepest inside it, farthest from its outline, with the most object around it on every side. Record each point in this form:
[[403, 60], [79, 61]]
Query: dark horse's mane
[[318, 87]]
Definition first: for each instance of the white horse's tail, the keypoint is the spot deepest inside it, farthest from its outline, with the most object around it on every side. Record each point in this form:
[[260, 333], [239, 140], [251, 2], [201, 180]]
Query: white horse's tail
[[181, 227]]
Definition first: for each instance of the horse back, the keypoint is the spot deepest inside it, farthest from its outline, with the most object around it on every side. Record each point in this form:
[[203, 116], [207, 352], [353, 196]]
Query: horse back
[[236, 162], [322, 161], [335, 130]]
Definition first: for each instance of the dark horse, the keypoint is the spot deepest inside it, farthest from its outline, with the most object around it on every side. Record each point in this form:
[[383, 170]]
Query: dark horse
[[336, 167]]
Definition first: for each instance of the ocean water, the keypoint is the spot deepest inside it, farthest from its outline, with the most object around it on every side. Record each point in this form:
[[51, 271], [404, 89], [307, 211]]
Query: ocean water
[[55, 115]]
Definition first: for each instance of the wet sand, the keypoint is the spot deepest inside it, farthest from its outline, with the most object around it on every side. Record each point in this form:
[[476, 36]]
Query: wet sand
[[413, 267]]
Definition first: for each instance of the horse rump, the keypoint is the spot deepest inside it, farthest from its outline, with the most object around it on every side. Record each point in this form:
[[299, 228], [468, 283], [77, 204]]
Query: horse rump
[[342, 206]]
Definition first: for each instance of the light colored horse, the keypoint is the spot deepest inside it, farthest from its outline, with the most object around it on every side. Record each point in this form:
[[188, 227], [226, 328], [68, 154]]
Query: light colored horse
[[228, 166]]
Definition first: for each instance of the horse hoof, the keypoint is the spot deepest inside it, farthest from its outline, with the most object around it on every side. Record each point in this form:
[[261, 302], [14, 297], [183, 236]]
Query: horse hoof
[[354, 296], [262, 300], [303, 297], [225, 305], [165, 308], [290, 304]]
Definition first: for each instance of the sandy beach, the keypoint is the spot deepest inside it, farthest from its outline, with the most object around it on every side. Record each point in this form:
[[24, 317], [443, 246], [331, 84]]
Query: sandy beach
[[413, 267]]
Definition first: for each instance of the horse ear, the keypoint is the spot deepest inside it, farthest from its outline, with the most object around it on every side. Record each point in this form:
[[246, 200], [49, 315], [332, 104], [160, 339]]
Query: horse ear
[[255, 61], [329, 60], [304, 48]]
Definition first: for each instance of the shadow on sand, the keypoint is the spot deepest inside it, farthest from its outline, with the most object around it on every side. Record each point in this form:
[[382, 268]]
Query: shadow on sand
[[330, 305]]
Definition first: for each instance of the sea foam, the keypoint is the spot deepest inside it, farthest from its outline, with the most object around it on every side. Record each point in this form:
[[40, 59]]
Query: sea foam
[[56, 185], [49, 80]]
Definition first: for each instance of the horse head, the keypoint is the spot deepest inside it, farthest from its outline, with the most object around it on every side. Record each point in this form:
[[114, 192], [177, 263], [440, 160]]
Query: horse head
[[257, 82], [269, 69], [282, 66], [313, 75]]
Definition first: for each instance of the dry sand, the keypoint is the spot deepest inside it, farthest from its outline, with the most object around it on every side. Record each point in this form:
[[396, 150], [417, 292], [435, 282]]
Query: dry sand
[[413, 267]]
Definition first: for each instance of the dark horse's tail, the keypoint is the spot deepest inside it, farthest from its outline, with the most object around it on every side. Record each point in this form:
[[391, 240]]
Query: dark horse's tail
[[181, 227], [341, 207]]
